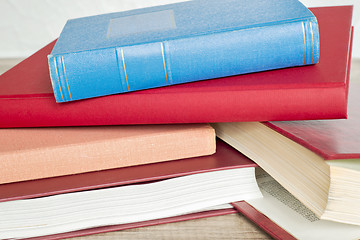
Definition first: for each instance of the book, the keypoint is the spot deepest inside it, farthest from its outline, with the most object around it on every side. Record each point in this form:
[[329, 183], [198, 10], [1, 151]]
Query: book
[[287, 218], [312, 92], [316, 161], [126, 204], [224, 158], [178, 43], [221, 163], [32, 153]]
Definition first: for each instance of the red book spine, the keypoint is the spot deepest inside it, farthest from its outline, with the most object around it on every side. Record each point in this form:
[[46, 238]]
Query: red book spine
[[265, 105], [262, 221]]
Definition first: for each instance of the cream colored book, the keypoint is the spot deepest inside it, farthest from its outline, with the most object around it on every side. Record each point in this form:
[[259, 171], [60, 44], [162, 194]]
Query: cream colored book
[[292, 216], [291, 154]]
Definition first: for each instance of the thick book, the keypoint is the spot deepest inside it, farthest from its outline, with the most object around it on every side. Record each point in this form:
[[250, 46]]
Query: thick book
[[178, 43], [311, 92], [220, 164], [317, 161], [285, 218], [126, 204], [32, 153]]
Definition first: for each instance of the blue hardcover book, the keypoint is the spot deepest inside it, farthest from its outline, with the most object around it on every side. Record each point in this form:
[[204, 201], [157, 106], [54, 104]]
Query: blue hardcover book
[[177, 43]]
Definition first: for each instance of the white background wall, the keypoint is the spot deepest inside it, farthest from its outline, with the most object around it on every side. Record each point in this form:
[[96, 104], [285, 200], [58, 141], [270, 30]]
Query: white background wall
[[28, 25]]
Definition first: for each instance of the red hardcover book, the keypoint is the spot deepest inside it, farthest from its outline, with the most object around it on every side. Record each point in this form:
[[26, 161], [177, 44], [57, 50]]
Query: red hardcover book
[[225, 158], [331, 139], [299, 93]]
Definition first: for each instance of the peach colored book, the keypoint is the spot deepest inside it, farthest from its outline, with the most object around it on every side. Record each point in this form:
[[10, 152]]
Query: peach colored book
[[33, 153]]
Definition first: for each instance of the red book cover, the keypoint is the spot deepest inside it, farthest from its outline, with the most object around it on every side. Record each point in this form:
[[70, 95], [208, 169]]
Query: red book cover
[[262, 221], [300, 93], [331, 139], [225, 158]]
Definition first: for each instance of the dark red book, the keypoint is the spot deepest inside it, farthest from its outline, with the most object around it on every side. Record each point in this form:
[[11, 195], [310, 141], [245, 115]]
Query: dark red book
[[331, 139], [299, 93], [225, 158]]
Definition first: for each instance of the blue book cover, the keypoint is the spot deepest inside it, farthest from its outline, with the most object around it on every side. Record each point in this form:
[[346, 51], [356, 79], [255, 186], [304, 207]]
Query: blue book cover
[[177, 43]]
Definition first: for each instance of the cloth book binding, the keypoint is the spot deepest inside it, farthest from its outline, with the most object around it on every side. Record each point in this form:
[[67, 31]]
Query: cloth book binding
[[177, 43]]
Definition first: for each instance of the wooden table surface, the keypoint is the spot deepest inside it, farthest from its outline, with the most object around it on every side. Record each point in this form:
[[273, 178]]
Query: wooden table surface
[[233, 226]]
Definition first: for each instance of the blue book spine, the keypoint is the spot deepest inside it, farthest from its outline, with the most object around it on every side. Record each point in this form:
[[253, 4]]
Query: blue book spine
[[112, 70]]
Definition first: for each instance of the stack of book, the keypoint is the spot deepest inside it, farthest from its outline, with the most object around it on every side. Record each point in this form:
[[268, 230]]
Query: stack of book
[[94, 138]]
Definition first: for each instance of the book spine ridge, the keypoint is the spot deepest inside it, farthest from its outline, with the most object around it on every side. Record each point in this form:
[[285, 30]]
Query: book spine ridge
[[56, 79], [124, 85], [311, 41], [95, 73]]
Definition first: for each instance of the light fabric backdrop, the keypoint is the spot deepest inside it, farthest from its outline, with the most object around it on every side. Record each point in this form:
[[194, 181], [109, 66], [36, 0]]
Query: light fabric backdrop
[[27, 25]]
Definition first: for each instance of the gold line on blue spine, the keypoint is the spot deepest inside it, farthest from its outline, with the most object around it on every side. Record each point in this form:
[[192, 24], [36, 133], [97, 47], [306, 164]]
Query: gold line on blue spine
[[62, 58], [110, 27], [123, 60], [163, 56], [57, 75], [303, 28], [312, 41]]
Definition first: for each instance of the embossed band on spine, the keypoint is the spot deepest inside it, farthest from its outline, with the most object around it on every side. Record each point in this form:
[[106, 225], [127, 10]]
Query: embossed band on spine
[[67, 84], [58, 78], [303, 28], [163, 57], [312, 42], [123, 60]]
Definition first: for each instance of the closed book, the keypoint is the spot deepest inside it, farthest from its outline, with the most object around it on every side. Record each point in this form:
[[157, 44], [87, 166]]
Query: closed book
[[226, 158], [178, 43], [316, 161], [285, 218], [127, 204], [312, 92], [32, 153]]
